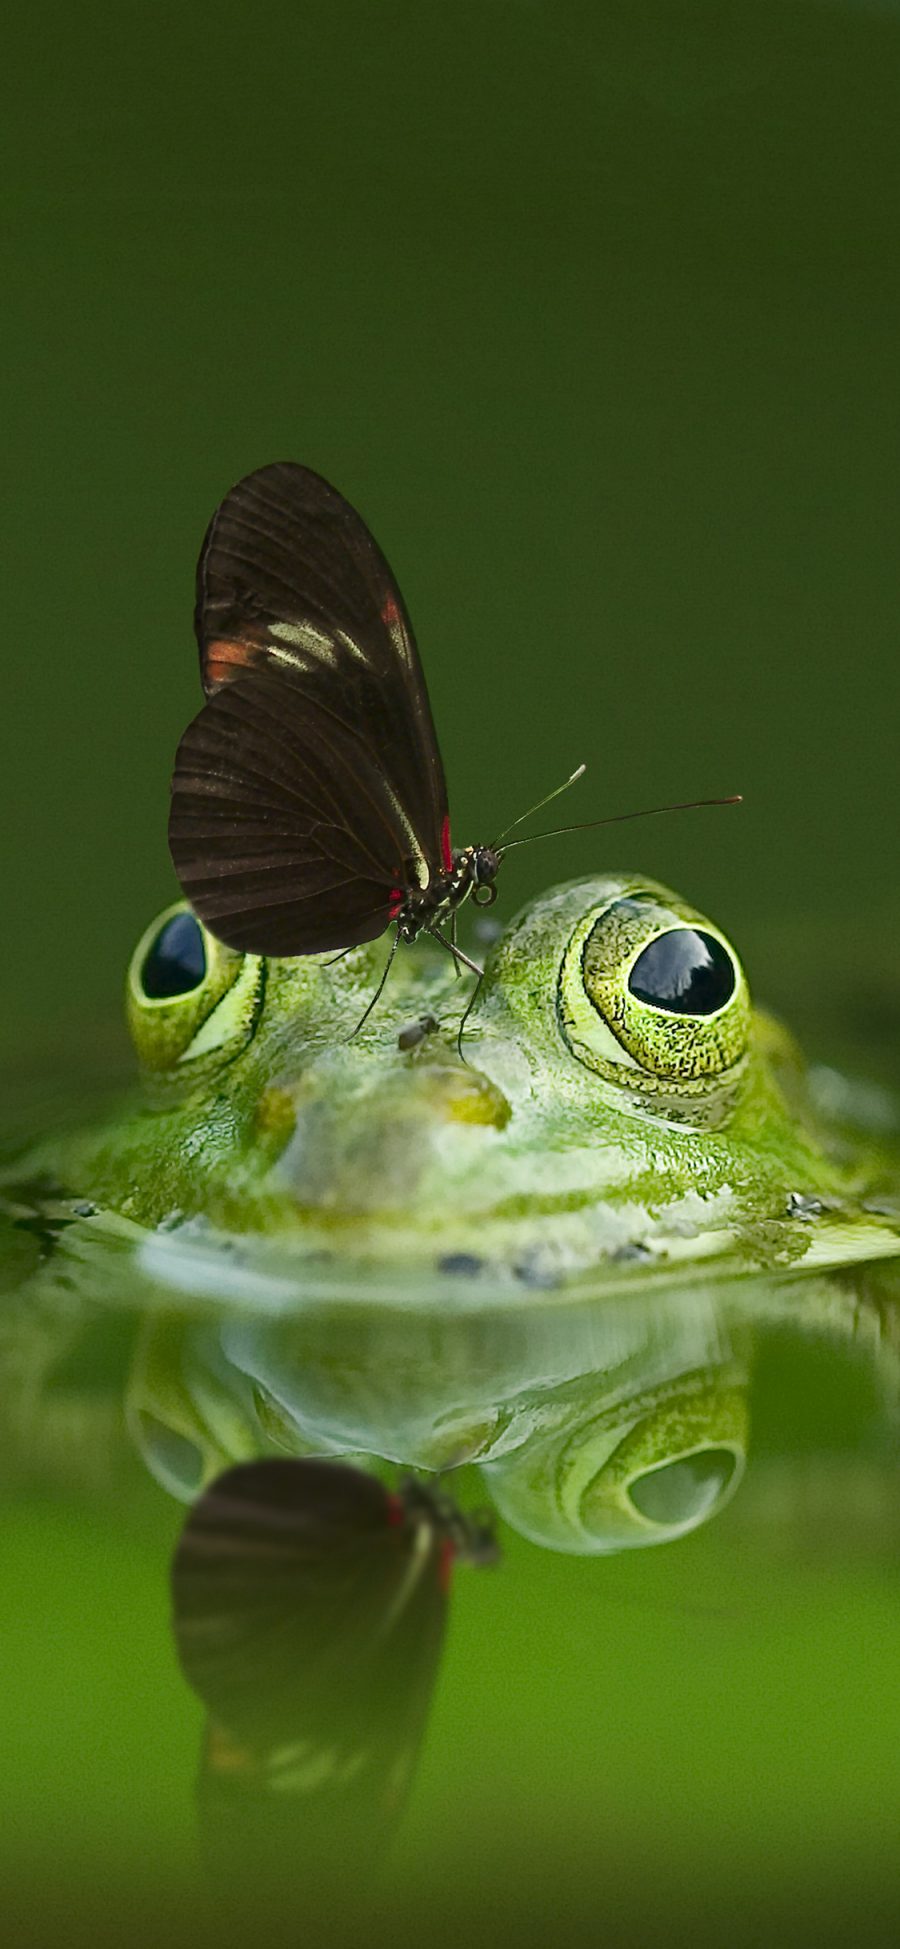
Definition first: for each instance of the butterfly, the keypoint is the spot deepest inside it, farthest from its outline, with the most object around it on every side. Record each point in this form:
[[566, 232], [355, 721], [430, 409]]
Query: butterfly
[[309, 806], [309, 1604]]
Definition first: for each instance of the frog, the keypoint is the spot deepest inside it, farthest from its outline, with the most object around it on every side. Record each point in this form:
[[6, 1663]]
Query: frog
[[616, 1098], [531, 1228]]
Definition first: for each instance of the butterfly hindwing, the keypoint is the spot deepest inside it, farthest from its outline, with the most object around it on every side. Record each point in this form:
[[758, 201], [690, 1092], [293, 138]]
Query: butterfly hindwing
[[284, 832]]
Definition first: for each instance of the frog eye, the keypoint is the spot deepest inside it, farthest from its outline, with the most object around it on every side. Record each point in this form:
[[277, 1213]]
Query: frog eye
[[188, 997], [184, 1419], [175, 963], [635, 1473], [684, 971], [653, 996]]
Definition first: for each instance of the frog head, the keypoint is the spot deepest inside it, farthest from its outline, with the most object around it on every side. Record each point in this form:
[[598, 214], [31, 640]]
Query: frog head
[[618, 1100]]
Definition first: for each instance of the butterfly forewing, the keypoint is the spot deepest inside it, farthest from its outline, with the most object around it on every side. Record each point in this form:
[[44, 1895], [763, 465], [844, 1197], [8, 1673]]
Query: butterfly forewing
[[309, 1609], [289, 577]]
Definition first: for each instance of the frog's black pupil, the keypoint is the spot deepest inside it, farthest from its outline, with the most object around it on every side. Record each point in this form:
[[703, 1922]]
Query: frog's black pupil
[[685, 971], [176, 962]]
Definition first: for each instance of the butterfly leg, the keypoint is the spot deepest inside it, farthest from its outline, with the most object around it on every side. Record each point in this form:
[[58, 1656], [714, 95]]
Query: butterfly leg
[[459, 956], [465, 1016], [453, 942], [456, 952], [380, 989]]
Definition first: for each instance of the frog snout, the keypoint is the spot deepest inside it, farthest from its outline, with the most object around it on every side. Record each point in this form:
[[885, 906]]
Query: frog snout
[[375, 1145]]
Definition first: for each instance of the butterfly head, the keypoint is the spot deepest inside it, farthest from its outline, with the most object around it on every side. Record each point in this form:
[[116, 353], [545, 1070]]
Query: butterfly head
[[484, 865]]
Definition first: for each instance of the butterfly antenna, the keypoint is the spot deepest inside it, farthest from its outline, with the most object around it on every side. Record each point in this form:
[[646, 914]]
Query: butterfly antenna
[[557, 790], [620, 818]]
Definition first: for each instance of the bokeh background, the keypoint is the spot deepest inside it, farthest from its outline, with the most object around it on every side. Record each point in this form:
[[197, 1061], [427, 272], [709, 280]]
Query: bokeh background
[[592, 307]]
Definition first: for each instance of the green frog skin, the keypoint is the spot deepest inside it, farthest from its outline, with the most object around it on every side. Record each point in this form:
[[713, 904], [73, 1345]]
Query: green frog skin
[[551, 1256], [586, 1129]]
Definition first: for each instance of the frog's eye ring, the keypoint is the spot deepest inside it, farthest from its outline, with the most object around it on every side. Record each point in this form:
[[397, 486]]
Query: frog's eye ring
[[653, 996], [190, 1001]]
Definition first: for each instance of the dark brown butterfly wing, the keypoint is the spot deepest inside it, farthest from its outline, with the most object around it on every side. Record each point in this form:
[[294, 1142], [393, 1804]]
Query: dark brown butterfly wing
[[283, 828], [290, 578], [309, 1609]]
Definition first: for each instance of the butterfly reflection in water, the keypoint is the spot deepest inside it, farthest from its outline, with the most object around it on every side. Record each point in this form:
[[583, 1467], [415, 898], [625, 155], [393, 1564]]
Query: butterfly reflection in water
[[309, 1604], [309, 807]]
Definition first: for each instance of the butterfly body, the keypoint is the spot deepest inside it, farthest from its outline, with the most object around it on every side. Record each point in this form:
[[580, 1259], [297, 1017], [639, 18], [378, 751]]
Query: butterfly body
[[471, 871]]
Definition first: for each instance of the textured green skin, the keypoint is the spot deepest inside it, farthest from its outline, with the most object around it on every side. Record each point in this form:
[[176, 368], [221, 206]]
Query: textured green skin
[[520, 1156], [339, 1245]]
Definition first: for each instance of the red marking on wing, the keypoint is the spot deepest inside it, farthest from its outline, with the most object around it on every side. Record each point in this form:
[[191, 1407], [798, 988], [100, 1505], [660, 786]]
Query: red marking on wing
[[396, 898], [223, 660], [445, 1564], [390, 614], [446, 848], [396, 1509]]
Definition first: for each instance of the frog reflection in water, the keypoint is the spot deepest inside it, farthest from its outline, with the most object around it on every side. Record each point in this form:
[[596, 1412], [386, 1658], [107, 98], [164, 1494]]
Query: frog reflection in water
[[517, 1258]]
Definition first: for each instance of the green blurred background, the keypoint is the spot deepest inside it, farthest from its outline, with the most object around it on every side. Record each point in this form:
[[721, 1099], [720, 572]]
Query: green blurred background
[[593, 309]]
